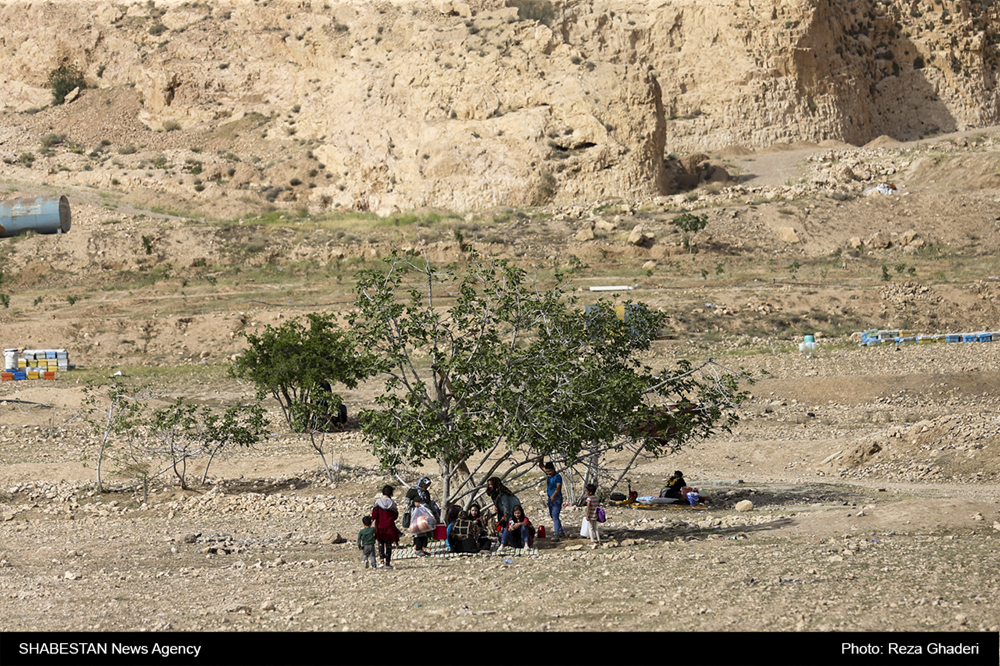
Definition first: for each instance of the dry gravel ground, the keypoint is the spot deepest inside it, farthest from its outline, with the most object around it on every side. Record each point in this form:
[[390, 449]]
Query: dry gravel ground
[[824, 549], [874, 473]]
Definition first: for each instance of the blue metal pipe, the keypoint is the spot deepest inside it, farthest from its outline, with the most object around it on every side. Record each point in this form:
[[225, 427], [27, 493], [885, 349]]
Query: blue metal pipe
[[43, 215]]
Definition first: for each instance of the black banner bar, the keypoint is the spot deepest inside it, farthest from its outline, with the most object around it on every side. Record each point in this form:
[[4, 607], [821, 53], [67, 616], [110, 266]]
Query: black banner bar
[[481, 649]]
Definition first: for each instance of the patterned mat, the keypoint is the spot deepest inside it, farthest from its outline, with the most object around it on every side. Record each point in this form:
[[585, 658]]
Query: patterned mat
[[439, 549]]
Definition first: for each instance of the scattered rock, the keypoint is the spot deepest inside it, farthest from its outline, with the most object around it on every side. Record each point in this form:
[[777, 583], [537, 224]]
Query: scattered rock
[[636, 237], [788, 235]]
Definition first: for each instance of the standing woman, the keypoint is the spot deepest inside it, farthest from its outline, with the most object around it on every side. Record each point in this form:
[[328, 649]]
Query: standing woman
[[420, 495]]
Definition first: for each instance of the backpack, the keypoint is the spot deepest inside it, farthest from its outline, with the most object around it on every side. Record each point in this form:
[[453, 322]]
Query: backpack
[[601, 516]]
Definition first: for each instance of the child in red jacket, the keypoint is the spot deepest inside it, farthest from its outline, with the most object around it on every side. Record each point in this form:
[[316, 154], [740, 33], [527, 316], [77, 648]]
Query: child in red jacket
[[384, 515]]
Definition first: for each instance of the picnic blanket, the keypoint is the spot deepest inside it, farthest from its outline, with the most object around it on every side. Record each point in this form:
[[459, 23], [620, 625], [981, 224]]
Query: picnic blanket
[[439, 549]]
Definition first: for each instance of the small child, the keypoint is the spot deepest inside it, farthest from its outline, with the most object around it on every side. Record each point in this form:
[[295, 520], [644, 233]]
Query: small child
[[366, 542], [593, 504]]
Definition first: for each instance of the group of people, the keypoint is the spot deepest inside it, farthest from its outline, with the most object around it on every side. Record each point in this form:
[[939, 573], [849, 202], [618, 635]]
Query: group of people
[[469, 530]]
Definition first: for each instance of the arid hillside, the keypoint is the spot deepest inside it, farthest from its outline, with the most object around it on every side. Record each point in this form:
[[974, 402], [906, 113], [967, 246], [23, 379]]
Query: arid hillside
[[388, 106]]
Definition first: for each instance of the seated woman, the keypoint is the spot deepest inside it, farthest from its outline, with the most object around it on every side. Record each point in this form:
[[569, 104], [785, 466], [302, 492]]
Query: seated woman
[[674, 485], [452, 516], [464, 535], [486, 527], [453, 512], [519, 532]]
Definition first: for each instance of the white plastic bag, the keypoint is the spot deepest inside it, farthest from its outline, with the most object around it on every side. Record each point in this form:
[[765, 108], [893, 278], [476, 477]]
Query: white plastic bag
[[422, 520], [585, 528]]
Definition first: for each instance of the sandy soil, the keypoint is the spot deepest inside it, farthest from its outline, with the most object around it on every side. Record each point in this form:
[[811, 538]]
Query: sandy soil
[[868, 469]]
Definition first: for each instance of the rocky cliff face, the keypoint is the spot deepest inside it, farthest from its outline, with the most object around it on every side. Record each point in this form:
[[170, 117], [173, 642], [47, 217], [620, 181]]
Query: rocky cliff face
[[399, 105]]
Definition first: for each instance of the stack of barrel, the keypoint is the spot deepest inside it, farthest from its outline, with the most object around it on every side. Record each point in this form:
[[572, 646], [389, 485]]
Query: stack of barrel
[[34, 363]]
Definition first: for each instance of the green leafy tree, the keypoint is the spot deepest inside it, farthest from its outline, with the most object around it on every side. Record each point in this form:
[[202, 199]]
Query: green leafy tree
[[113, 413], [298, 364], [184, 432], [137, 440], [510, 371], [690, 224]]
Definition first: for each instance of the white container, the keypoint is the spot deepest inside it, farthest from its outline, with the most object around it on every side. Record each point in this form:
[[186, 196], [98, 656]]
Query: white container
[[10, 359]]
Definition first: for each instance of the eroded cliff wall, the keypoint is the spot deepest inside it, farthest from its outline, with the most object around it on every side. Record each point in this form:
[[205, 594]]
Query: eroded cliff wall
[[469, 105]]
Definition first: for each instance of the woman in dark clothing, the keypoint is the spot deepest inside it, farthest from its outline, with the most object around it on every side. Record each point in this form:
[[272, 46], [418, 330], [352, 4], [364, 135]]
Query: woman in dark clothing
[[674, 485], [504, 500], [473, 534], [420, 495], [487, 528]]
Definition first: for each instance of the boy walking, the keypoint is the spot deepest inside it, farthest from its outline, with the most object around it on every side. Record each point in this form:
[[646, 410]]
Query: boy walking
[[366, 542]]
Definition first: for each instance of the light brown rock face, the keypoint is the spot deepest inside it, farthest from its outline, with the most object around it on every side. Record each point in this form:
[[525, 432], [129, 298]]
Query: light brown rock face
[[470, 105]]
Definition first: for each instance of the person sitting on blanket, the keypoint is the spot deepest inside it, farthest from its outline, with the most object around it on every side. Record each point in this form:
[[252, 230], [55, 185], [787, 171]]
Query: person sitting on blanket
[[453, 512], [476, 516], [519, 532], [674, 485], [484, 524], [465, 535]]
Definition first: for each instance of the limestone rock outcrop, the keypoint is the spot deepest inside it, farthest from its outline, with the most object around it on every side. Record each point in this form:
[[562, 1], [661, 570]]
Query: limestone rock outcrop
[[465, 105]]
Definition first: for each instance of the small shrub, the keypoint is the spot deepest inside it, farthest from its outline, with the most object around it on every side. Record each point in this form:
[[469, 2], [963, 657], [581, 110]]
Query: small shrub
[[71, 299], [50, 140], [171, 126], [534, 10], [63, 80], [5, 300], [546, 188], [157, 29]]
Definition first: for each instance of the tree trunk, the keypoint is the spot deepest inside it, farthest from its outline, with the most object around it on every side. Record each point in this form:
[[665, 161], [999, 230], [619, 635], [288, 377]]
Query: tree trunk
[[445, 469]]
